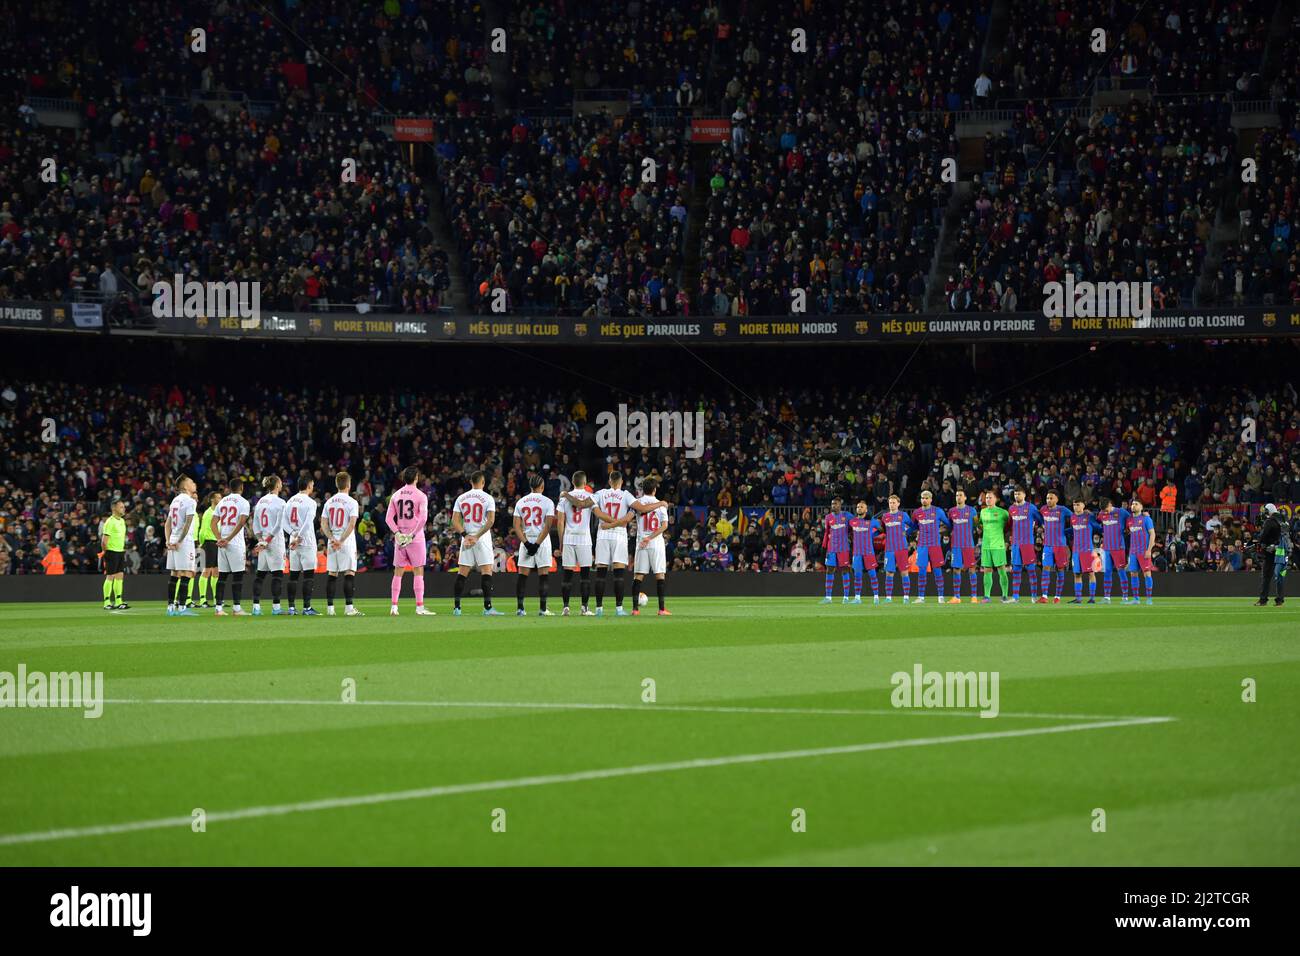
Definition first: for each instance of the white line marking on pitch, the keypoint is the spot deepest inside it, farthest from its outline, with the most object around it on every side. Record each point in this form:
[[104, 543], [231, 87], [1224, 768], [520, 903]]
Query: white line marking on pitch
[[700, 763], [548, 705]]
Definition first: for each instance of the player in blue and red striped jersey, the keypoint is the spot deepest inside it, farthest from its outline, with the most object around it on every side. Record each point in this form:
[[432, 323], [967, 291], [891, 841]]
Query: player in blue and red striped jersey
[[835, 542], [1141, 537], [961, 548], [1056, 552], [1114, 521], [863, 530], [1083, 525], [898, 525], [1024, 554], [929, 546]]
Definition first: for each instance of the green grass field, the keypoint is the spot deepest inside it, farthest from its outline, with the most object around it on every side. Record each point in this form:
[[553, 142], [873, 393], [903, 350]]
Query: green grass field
[[761, 707]]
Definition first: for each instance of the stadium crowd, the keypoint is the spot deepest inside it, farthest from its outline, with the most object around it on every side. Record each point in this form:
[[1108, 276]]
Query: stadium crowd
[[752, 501], [831, 182], [1129, 195], [222, 186], [224, 162], [1263, 266], [1173, 46], [562, 217]]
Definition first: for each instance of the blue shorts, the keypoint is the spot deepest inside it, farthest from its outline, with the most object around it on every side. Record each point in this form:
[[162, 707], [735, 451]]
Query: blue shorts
[[1019, 553], [1138, 563], [892, 562], [837, 559], [929, 556], [1056, 556], [1085, 558]]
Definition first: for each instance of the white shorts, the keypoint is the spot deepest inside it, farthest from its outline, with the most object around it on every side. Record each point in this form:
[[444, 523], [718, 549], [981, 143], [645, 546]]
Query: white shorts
[[233, 557], [611, 550], [183, 558], [303, 557], [651, 559], [481, 553], [344, 559], [541, 560], [272, 557], [576, 554]]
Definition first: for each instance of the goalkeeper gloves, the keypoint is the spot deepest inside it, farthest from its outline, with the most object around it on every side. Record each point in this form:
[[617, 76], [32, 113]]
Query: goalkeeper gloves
[[404, 539]]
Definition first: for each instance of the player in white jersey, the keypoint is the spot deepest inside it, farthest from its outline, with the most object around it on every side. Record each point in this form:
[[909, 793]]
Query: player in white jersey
[[182, 518], [611, 540], [651, 555], [534, 516], [228, 523], [299, 524], [471, 517], [576, 508], [268, 516], [338, 521]]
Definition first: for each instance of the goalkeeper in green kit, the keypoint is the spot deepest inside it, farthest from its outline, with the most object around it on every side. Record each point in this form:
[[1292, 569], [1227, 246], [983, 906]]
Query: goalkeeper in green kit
[[993, 544]]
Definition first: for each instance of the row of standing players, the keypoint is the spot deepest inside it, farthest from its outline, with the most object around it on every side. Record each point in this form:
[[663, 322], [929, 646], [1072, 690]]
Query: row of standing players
[[1127, 536], [286, 529]]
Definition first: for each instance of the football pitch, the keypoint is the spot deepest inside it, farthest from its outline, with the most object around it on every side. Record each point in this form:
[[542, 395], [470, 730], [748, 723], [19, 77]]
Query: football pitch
[[738, 731]]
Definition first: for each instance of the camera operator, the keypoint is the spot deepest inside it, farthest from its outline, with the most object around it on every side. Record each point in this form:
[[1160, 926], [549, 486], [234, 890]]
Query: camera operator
[[1274, 554]]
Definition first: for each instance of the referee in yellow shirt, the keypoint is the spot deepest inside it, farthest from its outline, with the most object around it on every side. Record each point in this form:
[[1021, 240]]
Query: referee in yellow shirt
[[113, 543], [206, 584]]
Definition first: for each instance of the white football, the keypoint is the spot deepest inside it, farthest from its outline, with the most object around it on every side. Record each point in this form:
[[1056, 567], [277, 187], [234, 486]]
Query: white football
[[641, 599]]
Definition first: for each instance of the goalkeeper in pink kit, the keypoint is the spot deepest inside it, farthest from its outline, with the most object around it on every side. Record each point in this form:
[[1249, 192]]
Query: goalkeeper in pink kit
[[408, 510]]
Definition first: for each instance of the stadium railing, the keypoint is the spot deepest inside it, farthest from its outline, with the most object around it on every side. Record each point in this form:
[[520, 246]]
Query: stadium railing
[[54, 104]]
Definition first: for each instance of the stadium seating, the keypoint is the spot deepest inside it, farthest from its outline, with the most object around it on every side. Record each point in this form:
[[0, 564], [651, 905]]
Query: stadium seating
[[767, 474]]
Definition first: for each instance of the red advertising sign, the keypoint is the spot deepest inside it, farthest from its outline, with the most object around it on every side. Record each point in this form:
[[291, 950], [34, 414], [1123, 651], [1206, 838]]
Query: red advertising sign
[[716, 130], [413, 130]]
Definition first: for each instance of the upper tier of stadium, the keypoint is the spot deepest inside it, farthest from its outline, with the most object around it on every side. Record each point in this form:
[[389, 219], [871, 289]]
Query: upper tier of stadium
[[225, 163]]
